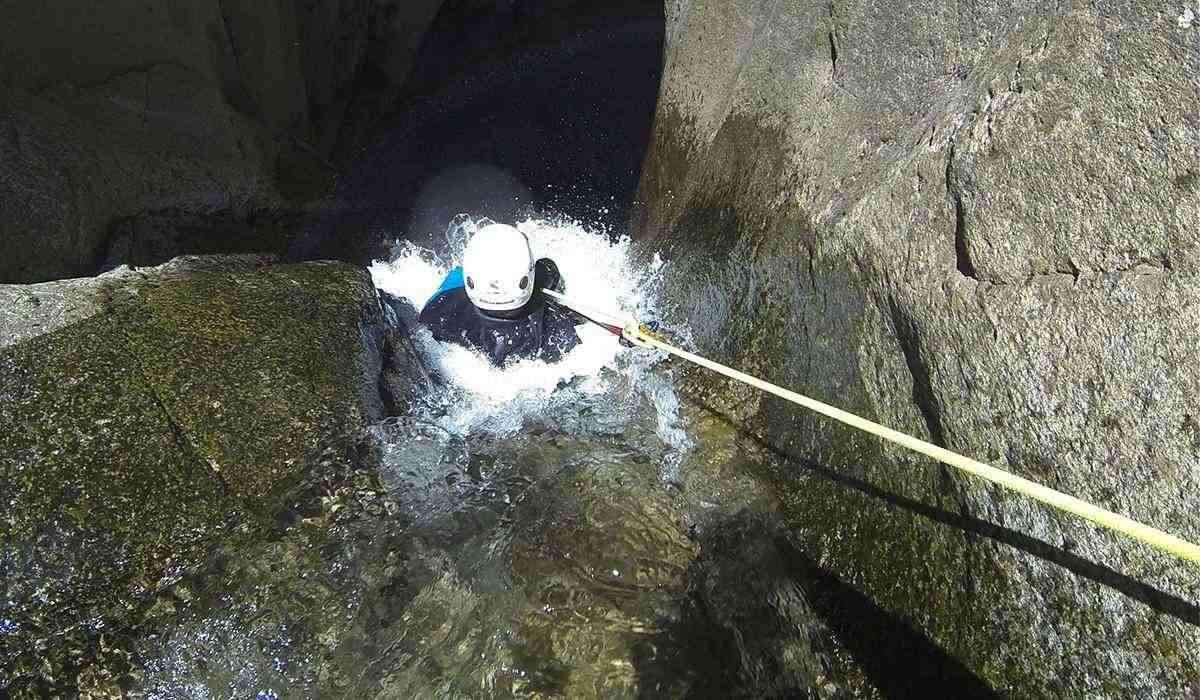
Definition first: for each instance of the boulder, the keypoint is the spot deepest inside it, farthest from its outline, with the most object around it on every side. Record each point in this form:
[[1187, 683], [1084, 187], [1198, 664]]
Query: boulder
[[976, 225], [746, 623], [148, 415]]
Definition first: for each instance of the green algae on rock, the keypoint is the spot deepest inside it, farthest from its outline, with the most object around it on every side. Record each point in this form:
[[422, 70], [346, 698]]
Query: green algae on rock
[[176, 407]]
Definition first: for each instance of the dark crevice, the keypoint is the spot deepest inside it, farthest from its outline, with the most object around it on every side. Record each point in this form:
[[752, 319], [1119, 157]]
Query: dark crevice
[[962, 254], [113, 249], [233, 86], [833, 55], [922, 393], [1072, 269], [812, 273], [229, 34], [146, 101], [185, 443]]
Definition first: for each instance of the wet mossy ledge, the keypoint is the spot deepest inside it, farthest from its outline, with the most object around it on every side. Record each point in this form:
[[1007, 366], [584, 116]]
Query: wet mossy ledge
[[146, 416]]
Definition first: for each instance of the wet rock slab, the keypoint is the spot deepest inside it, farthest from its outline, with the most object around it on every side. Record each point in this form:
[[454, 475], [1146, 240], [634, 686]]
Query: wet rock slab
[[147, 415]]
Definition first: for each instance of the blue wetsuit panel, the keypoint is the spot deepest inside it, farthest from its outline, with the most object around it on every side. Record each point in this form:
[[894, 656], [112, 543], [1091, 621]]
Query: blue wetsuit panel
[[454, 280]]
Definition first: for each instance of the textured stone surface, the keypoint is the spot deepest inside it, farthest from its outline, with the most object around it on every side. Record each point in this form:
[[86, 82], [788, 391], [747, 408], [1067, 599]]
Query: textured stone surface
[[977, 225], [192, 127], [108, 111], [152, 414], [225, 107]]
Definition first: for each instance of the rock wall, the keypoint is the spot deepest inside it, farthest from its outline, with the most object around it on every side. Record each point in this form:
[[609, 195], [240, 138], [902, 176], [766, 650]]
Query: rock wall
[[219, 107], [147, 416], [978, 224]]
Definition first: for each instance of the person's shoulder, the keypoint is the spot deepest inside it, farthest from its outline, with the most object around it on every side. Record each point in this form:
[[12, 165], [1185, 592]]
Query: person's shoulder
[[557, 313], [452, 280], [443, 302]]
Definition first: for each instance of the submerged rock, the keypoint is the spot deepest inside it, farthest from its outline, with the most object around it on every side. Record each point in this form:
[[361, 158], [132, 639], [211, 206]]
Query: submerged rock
[[523, 568], [147, 415], [746, 628], [404, 375], [976, 226], [543, 580]]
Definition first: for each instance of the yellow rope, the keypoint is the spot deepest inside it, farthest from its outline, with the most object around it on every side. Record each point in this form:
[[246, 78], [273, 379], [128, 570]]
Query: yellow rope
[[1171, 544]]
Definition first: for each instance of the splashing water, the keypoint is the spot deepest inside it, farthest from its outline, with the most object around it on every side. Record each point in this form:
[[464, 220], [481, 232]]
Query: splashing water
[[537, 481], [599, 376], [529, 537]]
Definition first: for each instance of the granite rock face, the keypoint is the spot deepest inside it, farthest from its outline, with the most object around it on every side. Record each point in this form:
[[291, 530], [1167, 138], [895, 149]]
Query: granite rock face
[[194, 127], [977, 225], [149, 415], [223, 108], [109, 111]]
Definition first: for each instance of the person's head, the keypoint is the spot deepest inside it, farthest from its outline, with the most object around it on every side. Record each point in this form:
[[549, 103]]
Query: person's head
[[499, 269]]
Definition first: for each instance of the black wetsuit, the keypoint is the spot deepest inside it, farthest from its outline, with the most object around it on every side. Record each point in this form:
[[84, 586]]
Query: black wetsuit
[[540, 330]]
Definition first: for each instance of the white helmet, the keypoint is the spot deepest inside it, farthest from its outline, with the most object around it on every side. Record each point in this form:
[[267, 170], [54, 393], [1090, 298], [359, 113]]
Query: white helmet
[[499, 268]]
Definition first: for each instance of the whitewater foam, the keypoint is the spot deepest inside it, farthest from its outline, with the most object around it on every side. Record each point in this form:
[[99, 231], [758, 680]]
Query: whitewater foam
[[479, 397]]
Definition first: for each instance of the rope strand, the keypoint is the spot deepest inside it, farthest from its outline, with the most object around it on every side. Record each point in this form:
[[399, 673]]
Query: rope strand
[[1163, 541], [1113, 521]]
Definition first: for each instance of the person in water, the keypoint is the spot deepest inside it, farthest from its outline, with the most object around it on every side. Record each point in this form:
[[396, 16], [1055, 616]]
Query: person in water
[[493, 303]]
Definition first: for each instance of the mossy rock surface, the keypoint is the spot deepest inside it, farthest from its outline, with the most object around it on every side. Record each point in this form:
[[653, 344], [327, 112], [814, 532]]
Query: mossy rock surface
[[178, 408]]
